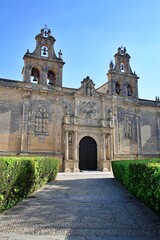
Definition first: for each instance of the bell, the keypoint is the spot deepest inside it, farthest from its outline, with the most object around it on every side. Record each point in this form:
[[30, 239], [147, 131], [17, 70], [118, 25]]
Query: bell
[[34, 79], [50, 82], [122, 67], [44, 51]]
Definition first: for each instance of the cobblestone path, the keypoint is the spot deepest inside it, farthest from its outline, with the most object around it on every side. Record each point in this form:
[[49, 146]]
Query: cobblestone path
[[80, 206]]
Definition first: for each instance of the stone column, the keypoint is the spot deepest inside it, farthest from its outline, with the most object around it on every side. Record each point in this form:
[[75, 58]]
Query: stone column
[[24, 133], [139, 141], [105, 162], [67, 163], [103, 112], [43, 75], [112, 86], [27, 73], [110, 153], [75, 146], [60, 75], [136, 89], [104, 147], [111, 146], [76, 162], [76, 109], [66, 146]]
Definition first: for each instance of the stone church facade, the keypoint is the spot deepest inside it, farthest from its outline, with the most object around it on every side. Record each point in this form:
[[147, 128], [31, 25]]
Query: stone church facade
[[86, 127]]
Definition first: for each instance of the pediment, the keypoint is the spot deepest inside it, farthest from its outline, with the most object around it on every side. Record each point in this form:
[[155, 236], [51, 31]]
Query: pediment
[[87, 88]]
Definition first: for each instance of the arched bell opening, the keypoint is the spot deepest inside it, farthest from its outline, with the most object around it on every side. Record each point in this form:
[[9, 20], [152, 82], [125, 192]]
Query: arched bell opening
[[51, 78], [118, 88], [129, 90], [122, 67], [35, 75], [44, 51]]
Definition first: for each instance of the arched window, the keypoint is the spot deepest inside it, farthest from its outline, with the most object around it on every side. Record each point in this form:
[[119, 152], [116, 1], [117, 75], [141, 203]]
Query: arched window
[[35, 75], [51, 78], [44, 51], [118, 89], [41, 122]]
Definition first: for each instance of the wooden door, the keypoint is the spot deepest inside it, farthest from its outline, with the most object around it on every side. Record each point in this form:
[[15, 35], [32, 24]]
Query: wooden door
[[87, 154]]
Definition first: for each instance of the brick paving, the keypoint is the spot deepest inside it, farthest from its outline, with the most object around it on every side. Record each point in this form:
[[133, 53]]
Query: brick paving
[[80, 206]]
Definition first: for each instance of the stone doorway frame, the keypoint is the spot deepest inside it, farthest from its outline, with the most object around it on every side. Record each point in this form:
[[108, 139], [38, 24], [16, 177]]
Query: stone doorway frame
[[96, 139], [87, 154], [100, 135]]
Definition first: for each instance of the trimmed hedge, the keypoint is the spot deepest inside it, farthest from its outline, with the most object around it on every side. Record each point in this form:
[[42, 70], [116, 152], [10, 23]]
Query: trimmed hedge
[[142, 178], [20, 176]]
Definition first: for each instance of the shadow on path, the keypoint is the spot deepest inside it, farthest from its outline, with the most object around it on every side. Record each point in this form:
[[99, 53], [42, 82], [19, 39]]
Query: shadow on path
[[82, 205]]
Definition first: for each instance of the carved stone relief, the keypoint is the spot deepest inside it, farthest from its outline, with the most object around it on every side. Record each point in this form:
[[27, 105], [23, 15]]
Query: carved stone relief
[[88, 109], [67, 108], [26, 94], [127, 125], [41, 122]]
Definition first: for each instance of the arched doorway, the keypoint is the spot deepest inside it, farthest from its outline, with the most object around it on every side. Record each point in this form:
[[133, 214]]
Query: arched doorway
[[87, 154]]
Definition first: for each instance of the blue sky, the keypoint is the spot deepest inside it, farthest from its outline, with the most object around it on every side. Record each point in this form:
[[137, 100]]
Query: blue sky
[[88, 32]]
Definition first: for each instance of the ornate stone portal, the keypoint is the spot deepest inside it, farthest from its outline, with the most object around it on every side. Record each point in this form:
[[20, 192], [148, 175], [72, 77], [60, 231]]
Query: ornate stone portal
[[85, 120], [86, 127]]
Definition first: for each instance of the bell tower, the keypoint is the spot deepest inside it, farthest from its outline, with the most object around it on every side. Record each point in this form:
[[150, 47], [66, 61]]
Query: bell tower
[[121, 80], [42, 66]]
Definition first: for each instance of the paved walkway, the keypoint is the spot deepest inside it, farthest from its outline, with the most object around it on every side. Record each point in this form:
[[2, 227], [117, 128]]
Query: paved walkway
[[80, 206]]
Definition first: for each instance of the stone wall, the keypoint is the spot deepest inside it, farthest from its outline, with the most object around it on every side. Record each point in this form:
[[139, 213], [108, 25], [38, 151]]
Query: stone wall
[[39, 120], [10, 120], [149, 131]]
